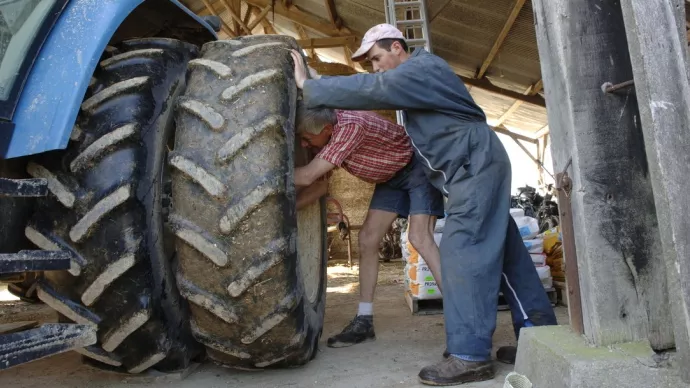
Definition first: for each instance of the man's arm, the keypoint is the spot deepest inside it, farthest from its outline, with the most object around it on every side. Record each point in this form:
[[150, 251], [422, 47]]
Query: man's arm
[[305, 176], [312, 193], [405, 87]]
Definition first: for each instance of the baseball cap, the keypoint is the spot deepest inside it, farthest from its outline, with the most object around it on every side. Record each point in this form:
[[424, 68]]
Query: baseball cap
[[376, 33]]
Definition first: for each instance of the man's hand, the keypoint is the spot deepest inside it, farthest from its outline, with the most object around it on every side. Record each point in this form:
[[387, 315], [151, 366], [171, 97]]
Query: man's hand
[[313, 73], [311, 193], [305, 176], [300, 69]]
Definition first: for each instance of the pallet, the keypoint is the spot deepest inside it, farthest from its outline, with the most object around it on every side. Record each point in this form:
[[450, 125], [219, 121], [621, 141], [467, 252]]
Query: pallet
[[423, 306], [435, 306]]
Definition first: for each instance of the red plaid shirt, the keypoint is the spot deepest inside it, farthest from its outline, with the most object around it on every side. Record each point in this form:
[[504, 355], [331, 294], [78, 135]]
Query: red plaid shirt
[[367, 146]]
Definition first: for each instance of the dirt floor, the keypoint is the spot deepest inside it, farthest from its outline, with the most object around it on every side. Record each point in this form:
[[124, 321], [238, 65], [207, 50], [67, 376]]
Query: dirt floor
[[405, 343]]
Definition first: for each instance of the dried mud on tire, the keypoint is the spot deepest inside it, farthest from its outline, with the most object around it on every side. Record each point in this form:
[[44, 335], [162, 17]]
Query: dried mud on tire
[[234, 209]]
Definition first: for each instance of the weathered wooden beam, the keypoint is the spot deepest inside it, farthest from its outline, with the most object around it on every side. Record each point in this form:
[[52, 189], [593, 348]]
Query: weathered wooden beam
[[536, 88], [247, 15], [488, 86], [621, 264], [513, 135], [501, 37], [516, 105], [260, 17], [316, 43], [307, 20], [348, 56], [235, 18], [224, 26], [663, 97], [542, 132], [333, 14]]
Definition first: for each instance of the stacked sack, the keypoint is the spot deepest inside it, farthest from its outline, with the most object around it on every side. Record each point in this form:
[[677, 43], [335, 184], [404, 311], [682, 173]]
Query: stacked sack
[[419, 281], [535, 244], [553, 248]]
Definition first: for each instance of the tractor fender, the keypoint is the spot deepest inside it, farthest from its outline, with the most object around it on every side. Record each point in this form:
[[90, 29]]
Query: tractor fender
[[53, 92]]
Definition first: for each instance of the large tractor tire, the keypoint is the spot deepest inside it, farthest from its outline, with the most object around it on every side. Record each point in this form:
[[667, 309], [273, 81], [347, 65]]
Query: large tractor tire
[[252, 268], [106, 207]]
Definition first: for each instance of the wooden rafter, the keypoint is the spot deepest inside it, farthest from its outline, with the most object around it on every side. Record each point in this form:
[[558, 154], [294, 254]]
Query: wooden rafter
[[259, 17], [531, 91], [516, 105], [348, 56], [337, 41], [542, 132], [307, 20], [501, 37], [333, 14], [223, 25], [536, 88], [488, 86], [503, 130], [304, 37], [247, 15], [237, 20]]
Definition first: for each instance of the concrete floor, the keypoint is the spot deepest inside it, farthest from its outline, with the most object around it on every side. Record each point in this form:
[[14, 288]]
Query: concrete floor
[[405, 343]]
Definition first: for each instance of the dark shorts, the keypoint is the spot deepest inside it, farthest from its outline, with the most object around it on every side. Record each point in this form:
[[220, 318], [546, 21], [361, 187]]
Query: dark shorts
[[409, 192]]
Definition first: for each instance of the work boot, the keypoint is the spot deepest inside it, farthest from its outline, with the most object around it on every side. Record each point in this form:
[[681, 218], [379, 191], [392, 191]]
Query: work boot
[[454, 371], [360, 329], [506, 354]]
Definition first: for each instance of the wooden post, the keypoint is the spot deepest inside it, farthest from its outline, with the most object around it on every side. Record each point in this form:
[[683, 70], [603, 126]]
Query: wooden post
[[621, 267], [658, 50]]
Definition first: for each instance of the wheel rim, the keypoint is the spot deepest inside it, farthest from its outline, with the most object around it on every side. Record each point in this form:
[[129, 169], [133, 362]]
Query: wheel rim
[[309, 249]]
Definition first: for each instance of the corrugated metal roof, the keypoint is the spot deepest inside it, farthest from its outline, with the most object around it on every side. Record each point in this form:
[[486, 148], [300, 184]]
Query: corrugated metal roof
[[462, 32]]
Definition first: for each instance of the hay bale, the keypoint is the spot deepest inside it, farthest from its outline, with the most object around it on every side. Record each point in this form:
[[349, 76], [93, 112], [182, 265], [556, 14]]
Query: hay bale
[[354, 196]]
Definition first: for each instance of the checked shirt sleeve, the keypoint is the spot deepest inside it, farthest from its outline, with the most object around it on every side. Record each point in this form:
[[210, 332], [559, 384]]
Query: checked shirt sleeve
[[343, 142]]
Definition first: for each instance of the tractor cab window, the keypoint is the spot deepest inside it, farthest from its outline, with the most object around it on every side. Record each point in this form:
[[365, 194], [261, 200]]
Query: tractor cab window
[[20, 22]]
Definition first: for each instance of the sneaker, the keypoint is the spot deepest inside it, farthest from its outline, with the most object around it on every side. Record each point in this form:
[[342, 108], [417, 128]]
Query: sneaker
[[360, 329], [454, 371]]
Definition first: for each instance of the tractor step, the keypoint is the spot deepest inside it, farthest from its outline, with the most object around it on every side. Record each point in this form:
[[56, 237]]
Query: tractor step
[[34, 187], [38, 260], [47, 340]]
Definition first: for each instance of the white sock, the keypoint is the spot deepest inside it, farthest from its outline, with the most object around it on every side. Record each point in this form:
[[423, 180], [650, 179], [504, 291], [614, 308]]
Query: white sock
[[365, 309]]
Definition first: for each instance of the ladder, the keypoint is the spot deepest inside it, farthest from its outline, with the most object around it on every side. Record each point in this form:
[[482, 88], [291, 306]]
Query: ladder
[[410, 17]]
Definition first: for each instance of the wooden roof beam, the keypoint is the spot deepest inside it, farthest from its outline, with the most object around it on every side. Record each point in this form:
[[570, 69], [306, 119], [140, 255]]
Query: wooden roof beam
[[505, 131], [260, 17], [316, 43], [536, 88], [531, 91], [333, 14], [223, 25], [488, 86], [501, 38], [307, 20], [237, 20]]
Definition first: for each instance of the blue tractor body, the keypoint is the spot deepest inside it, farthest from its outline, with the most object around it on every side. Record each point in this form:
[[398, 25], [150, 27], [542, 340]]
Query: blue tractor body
[[49, 51], [43, 101]]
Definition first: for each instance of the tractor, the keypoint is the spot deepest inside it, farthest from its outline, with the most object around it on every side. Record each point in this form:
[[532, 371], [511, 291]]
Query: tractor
[[146, 190]]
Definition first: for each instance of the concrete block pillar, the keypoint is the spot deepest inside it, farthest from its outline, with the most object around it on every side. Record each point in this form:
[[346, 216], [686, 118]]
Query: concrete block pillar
[[658, 44], [582, 45]]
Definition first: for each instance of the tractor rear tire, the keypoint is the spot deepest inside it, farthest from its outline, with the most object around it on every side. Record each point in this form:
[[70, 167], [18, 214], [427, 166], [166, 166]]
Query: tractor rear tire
[[252, 268], [105, 206]]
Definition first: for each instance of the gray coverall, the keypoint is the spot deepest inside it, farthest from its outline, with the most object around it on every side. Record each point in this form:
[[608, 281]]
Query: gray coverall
[[468, 163]]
